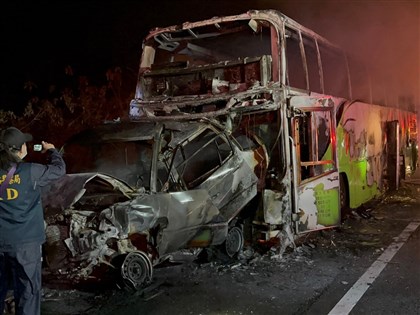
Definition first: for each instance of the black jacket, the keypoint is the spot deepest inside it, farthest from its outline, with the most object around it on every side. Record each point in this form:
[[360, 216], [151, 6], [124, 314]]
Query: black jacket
[[21, 212]]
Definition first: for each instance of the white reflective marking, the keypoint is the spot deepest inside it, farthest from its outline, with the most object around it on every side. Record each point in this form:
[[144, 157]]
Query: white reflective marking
[[354, 294]]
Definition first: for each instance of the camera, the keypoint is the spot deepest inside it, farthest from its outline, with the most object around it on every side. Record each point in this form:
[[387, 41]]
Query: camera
[[37, 147]]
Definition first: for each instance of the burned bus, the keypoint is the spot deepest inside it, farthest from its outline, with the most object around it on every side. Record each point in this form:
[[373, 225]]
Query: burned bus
[[245, 123], [335, 139]]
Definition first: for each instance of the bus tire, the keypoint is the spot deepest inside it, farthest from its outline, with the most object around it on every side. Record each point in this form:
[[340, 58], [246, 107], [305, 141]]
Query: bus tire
[[402, 168], [344, 196]]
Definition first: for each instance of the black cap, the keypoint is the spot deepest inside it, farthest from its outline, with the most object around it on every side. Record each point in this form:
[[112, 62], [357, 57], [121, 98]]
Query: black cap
[[14, 138]]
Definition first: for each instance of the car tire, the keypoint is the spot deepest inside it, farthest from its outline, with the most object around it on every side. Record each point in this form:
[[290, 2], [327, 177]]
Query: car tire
[[234, 241], [136, 270]]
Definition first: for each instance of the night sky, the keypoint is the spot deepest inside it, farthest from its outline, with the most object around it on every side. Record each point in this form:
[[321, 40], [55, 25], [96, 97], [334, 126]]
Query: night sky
[[40, 38]]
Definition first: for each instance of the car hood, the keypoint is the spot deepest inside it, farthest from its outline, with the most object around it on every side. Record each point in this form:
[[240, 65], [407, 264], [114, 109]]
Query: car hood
[[93, 189]]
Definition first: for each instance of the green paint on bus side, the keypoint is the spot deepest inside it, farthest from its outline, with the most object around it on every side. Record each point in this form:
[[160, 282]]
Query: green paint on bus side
[[327, 204], [356, 172]]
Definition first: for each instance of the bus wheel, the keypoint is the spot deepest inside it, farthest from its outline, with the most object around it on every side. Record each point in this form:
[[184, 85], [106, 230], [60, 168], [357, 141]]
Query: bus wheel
[[234, 241], [402, 167], [344, 197], [136, 270]]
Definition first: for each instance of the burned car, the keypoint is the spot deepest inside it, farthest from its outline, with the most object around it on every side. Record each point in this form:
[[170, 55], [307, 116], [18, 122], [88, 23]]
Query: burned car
[[136, 192]]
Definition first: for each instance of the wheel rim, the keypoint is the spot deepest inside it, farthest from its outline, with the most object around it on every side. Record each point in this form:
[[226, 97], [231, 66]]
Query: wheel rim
[[136, 270], [234, 241]]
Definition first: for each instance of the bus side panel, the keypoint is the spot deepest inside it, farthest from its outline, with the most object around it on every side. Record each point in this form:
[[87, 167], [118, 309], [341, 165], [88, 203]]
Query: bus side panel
[[362, 145], [361, 151], [319, 205]]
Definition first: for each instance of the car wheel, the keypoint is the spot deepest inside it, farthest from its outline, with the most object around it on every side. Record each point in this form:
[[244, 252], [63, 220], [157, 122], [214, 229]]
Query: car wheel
[[136, 270], [234, 241]]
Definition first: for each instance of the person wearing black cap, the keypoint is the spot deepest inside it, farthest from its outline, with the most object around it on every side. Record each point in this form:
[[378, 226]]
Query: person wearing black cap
[[21, 218]]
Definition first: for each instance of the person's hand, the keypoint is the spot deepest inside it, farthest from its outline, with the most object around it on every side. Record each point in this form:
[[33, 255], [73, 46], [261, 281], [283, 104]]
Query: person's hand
[[46, 146]]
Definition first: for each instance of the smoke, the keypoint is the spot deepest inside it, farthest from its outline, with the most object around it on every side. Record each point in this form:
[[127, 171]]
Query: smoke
[[384, 34]]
